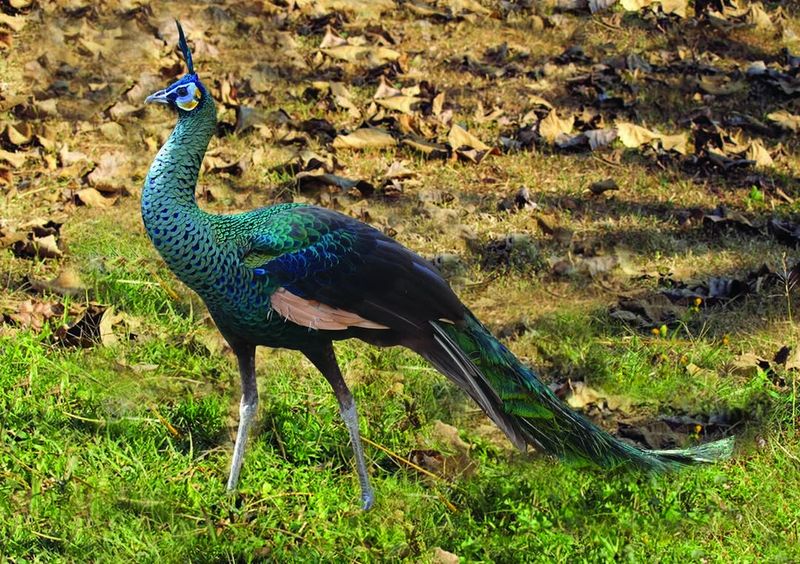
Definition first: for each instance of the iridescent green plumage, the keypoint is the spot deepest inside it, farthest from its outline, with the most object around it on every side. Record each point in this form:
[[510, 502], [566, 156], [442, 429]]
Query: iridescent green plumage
[[300, 277]]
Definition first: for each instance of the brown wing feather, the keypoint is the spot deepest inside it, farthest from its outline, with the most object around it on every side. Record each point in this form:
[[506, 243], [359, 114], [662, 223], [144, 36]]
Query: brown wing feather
[[316, 315]]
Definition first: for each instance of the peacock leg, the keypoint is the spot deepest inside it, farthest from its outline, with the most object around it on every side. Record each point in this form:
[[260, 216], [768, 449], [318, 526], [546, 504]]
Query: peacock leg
[[325, 361], [247, 409]]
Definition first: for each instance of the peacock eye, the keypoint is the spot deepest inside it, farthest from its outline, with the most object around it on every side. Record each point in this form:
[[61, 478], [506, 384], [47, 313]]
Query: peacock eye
[[181, 91]]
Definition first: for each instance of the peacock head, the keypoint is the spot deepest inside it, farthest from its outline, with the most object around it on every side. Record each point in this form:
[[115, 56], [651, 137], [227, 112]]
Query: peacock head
[[186, 94]]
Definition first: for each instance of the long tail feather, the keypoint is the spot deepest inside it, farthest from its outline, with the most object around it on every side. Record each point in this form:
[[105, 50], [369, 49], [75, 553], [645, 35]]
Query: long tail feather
[[531, 414]]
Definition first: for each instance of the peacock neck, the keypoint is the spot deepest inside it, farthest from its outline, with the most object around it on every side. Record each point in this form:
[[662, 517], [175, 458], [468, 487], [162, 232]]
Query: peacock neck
[[180, 231], [172, 178]]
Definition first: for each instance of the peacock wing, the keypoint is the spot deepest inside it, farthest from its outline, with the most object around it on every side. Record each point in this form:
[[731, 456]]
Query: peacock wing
[[335, 272]]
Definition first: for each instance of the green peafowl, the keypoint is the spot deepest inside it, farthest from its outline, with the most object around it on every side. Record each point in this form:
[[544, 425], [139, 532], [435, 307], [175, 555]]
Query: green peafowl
[[300, 277]]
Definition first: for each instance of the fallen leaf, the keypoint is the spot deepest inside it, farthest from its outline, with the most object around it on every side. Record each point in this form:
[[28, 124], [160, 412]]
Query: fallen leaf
[[374, 56], [67, 283], [634, 136], [535, 100], [441, 556], [20, 134], [112, 131], [83, 332], [785, 119], [34, 315], [398, 170], [46, 247], [467, 6], [759, 17], [677, 7], [106, 326], [551, 127], [720, 85], [315, 178], [428, 148], [748, 364], [364, 138], [580, 396], [16, 23], [677, 143], [401, 103], [68, 157], [16, 160], [602, 186], [112, 174], [460, 137], [92, 198], [599, 138]]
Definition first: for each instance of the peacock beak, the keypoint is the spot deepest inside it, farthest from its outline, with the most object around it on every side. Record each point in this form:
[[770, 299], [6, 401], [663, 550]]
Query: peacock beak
[[159, 97]]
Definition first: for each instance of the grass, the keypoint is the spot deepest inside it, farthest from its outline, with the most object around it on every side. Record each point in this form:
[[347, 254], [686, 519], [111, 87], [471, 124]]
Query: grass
[[120, 452]]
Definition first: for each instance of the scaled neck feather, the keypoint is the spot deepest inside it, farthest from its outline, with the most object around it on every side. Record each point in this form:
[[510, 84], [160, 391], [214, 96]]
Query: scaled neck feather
[[172, 178]]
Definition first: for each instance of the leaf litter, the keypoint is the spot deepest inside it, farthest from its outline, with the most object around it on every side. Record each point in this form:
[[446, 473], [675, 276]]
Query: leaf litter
[[593, 109]]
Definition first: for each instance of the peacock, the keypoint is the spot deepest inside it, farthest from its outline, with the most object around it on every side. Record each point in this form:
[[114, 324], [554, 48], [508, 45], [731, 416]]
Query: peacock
[[301, 277]]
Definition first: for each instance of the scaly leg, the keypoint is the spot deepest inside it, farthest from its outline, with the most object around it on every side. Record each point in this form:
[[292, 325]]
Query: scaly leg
[[325, 361], [246, 355]]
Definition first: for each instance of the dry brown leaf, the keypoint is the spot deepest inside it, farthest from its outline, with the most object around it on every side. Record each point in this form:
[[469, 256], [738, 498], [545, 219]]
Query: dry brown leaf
[[580, 395], [123, 109], [720, 85], [599, 138], [46, 247], [16, 160], [67, 283], [748, 364], [386, 90], [92, 198], [68, 157], [786, 120], [33, 315], [398, 170], [758, 153], [438, 104], [467, 6], [361, 9], [16, 23], [460, 137], [552, 126], [112, 173], [677, 143], [364, 138], [331, 39], [448, 436], [428, 148], [677, 7], [441, 556], [6, 40], [634, 136], [759, 17], [535, 100], [46, 139], [20, 134], [106, 326], [399, 103], [602, 186], [374, 56], [112, 131]]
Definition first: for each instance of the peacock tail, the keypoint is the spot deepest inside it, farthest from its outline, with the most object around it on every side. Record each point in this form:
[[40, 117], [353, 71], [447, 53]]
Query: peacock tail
[[531, 414]]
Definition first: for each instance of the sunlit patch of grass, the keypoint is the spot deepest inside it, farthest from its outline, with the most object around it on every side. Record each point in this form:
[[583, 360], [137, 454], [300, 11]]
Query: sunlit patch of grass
[[121, 452]]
